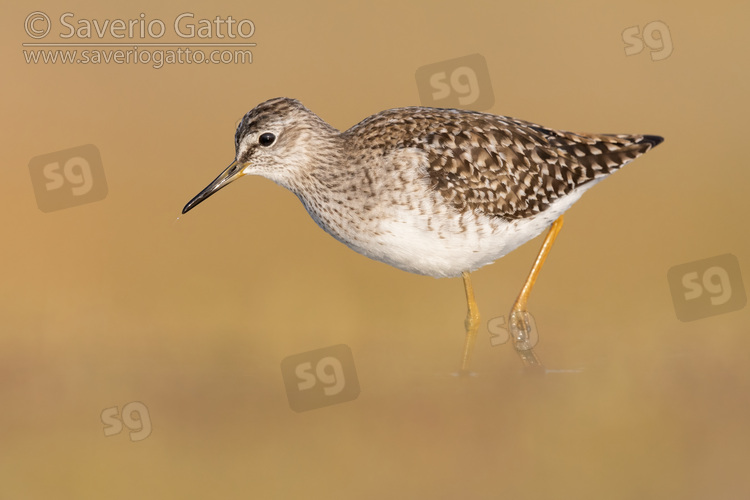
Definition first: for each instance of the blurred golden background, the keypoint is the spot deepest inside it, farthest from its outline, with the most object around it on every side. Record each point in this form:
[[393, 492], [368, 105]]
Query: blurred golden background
[[116, 301]]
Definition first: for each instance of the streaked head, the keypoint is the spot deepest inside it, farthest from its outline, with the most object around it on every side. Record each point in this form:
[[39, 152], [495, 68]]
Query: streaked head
[[276, 139]]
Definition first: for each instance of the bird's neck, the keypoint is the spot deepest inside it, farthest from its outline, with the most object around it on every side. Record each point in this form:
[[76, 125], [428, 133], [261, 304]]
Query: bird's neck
[[321, 170], [330, 187]]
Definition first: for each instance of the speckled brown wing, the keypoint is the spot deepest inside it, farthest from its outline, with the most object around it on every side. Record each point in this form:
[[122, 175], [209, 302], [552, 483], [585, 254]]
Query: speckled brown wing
[[501, 166]]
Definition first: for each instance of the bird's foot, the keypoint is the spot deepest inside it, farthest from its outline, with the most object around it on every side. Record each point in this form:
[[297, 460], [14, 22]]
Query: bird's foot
[[522, 330], [524, 335]]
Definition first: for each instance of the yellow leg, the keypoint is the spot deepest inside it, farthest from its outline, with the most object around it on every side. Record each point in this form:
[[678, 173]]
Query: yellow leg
[[471, 323], [520, 323]]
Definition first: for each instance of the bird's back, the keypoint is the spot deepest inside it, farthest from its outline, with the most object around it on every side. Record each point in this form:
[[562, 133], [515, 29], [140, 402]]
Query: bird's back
[[495, 165]]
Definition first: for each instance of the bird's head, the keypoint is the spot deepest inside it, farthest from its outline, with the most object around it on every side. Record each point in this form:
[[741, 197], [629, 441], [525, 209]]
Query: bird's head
[[278, 139]]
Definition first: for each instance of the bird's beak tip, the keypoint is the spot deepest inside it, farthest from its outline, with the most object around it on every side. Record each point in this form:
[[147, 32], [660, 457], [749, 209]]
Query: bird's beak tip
[[233, 172]]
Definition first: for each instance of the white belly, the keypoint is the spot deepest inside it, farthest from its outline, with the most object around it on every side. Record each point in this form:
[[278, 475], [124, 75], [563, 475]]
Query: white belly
[[445, 245]]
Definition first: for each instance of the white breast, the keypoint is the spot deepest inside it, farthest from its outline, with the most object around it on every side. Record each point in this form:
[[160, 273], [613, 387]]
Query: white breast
[[416, 230]]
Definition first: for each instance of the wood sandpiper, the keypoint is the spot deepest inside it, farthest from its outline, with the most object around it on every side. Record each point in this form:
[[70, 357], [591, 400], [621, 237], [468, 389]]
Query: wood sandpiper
[[438, 192]]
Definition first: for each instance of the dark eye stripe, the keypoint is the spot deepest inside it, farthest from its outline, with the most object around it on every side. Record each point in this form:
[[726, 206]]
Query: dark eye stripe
[[246, 156]]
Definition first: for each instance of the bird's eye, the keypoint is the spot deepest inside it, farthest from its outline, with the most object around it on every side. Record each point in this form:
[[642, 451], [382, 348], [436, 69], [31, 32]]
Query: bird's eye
[[266, 139]]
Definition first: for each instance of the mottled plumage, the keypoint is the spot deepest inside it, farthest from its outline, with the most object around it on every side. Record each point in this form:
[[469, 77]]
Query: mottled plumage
[[497, 165], [430, 191]]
